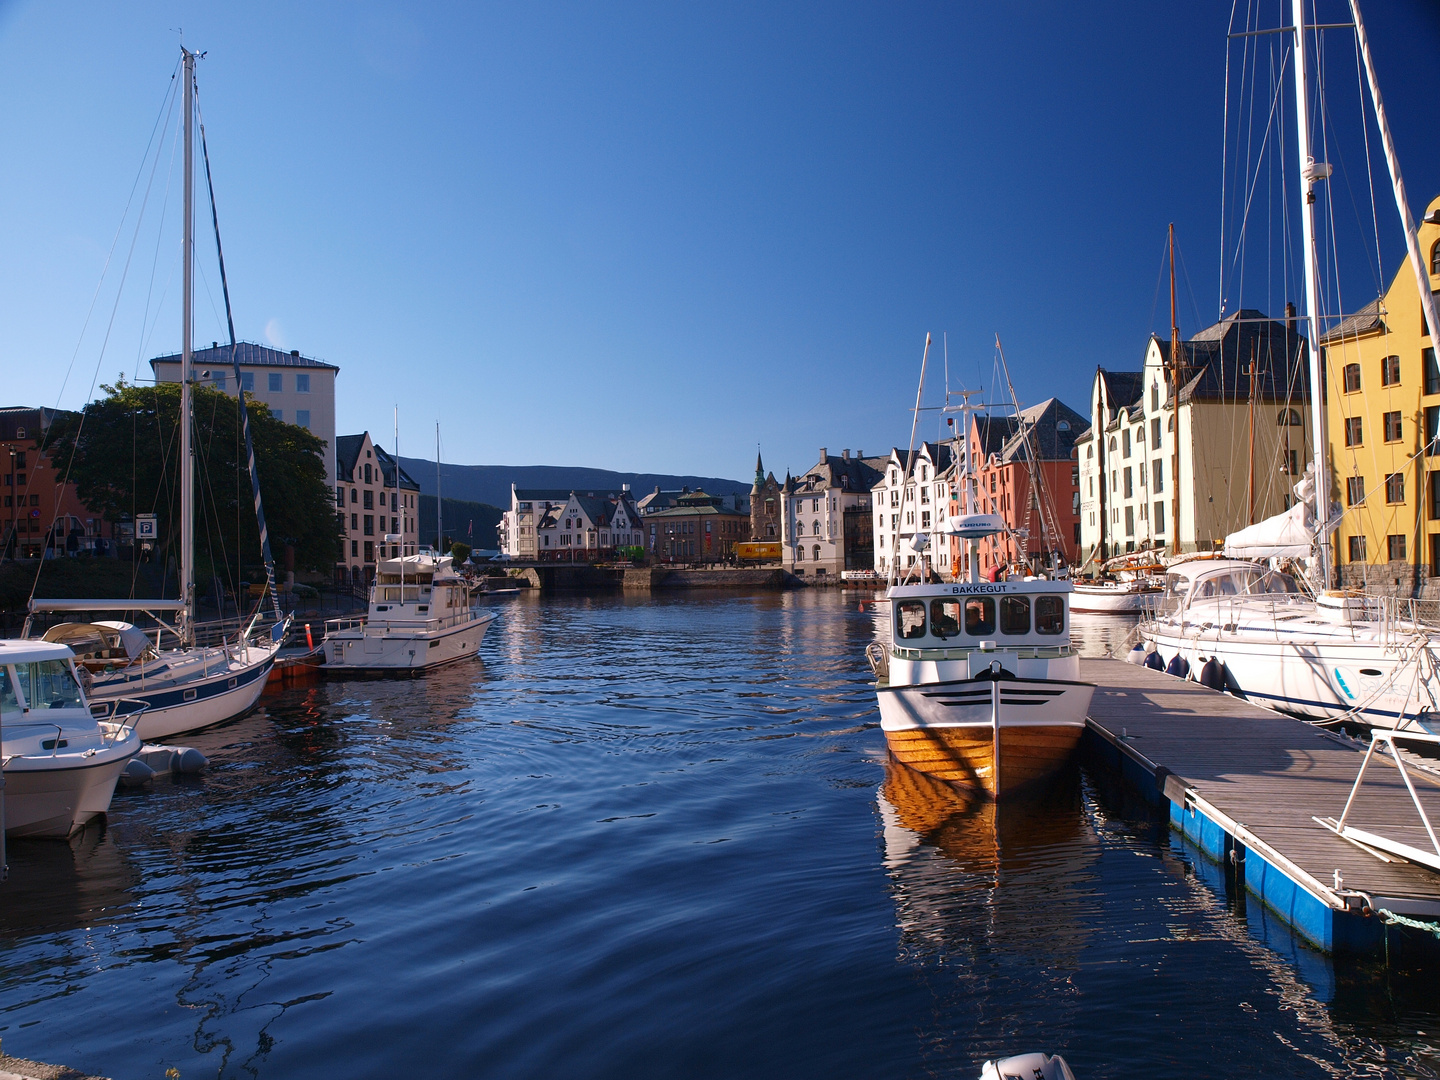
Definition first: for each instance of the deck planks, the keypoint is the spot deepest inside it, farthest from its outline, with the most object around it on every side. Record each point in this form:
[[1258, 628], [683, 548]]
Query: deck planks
[[1270, 772]]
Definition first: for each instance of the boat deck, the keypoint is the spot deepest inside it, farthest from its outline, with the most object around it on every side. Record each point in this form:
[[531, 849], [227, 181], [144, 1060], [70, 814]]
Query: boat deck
[[1245, 783]]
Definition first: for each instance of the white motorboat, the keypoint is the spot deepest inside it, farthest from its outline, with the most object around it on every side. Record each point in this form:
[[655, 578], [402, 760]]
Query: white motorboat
[[1114, 597], [60, 763], [1026, 1066], [979, 684], [184, 685], [419, 618]]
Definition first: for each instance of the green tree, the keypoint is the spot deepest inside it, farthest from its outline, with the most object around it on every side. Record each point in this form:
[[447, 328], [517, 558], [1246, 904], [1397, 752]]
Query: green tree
[[459, 552], [122, 454]]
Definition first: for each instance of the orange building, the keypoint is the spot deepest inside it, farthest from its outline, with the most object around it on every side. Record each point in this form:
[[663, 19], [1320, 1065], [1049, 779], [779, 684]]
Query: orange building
[[42, 514], [1041, 517]]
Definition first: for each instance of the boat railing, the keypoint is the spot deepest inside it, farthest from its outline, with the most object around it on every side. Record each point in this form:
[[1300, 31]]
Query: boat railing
[[1404, 616], [351, 622], [429, 626]]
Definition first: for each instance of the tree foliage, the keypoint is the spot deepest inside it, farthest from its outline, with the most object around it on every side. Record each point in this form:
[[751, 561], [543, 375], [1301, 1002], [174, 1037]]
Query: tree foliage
[[123, 452]]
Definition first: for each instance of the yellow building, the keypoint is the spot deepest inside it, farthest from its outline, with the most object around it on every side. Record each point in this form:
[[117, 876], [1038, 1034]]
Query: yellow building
[[1383, 403]]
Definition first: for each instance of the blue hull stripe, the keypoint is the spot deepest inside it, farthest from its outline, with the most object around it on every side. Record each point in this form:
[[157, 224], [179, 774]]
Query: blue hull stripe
[[211, 688]]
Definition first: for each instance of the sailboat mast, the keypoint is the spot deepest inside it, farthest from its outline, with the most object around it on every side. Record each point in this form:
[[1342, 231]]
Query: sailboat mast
[[1309, 172], [1176, 380], [1412, 242], [187, 464], [439, 506]]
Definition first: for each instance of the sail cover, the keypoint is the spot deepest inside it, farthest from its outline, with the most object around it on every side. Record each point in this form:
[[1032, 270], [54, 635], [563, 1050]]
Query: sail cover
[[1290, 534]]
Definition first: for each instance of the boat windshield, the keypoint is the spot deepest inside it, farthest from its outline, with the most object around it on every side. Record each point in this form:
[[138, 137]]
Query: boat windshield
[[1247, 581], [48, 684], [8, 701]]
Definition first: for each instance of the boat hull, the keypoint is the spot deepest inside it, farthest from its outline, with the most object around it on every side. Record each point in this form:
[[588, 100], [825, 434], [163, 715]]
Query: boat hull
[[1317, 680], [174, 708], [1108, 601], [948, 730], [398, 651], [50, 797]]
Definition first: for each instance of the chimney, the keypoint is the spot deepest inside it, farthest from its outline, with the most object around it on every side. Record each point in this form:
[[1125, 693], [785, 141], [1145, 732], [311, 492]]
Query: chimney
[[824, 453], [625, 487], [846, 455], [294, 352], [1289, 317]]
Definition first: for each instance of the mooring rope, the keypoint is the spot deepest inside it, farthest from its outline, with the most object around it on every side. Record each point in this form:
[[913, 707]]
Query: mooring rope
[[1389, 917]]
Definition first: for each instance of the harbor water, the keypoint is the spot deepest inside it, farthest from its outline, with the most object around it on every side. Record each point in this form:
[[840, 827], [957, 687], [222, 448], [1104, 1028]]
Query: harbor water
[[660, 837]]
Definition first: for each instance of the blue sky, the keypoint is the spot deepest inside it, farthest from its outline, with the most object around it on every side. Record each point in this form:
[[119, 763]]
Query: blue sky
[[645, 237]]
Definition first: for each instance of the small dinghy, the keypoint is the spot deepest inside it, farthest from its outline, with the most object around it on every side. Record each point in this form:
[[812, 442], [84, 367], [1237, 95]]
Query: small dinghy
[[1027, 1067]]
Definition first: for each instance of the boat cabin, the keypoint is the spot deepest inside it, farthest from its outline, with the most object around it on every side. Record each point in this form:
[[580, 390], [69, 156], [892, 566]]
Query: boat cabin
[[1214, 580], [980, 615], [418, 587]]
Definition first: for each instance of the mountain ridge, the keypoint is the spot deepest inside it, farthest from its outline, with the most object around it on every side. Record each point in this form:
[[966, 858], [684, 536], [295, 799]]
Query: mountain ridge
[[491, 483]]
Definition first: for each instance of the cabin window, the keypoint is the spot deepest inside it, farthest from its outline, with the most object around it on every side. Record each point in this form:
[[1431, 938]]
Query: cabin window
[[1049, 615], [48, 684], [910, 619], [1352, 378], [1015, 615], [980, 616], [1390, 371], [8, 700], [945, 618]]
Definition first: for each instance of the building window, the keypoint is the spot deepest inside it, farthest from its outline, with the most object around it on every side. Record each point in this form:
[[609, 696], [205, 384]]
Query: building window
[[369, 550], [1435, 259], [1288, 418], [1157, 476], [219, 381], [1392, 427], [1432, 429], [279, 414], [302, 417], [1395, 488], [1129, 485], [1357, 549], [1155, 433], [354, 521], [1352, 378], [1435, 505], [369, 500], [247, 381], [353, 495], [272, 381], [1354, 431], [1158, 518], [1075, 476], [816, 552], [1390, 371], [1125, 443], [1432, 371], [1395, 547], [1355, 491], [354, 549], [302, 382], [369, 524], [1129, 521], [1154, 397]]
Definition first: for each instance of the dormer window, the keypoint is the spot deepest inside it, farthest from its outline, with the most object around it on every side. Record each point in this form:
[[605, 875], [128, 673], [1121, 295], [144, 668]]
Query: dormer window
[[1062, 425]]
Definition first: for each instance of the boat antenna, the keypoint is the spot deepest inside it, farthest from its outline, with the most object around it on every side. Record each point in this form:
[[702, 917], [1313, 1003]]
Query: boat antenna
[[1177, 367], [265, 551]]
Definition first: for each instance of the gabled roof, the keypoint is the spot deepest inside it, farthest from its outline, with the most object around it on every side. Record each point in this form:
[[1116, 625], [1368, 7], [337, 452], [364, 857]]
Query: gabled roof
[[1217, 359], [846, 474], [1365, 321], [1051, 428], [387, 469], [1124, 388], [249, 354], [347, 452]]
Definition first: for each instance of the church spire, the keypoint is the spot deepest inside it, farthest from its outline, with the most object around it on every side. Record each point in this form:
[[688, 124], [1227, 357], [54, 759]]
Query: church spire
[[759, 470]]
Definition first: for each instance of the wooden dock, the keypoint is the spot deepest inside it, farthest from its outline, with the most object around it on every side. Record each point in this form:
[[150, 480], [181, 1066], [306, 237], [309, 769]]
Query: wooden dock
[[1245, 783]]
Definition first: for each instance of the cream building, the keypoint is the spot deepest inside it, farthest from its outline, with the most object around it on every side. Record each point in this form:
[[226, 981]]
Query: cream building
[[298, 389], [371, 505], [1243, 439], [825, 516]]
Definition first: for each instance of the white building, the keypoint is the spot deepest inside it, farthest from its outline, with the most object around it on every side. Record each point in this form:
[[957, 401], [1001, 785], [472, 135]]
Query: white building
[[555, 524], [298, 389], [825, 516], [913, 497]]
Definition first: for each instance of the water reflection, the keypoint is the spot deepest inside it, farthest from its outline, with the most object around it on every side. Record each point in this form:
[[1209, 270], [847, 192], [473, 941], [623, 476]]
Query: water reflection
[[1023, 864], [56, 886]]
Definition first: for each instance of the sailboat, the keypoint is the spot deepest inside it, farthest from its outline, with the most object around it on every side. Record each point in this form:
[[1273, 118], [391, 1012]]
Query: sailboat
[[979, 684], [1299, 645], [182, 685]]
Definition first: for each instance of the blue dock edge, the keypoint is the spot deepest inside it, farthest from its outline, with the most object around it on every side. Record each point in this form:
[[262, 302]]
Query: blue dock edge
[[1327, 922]]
